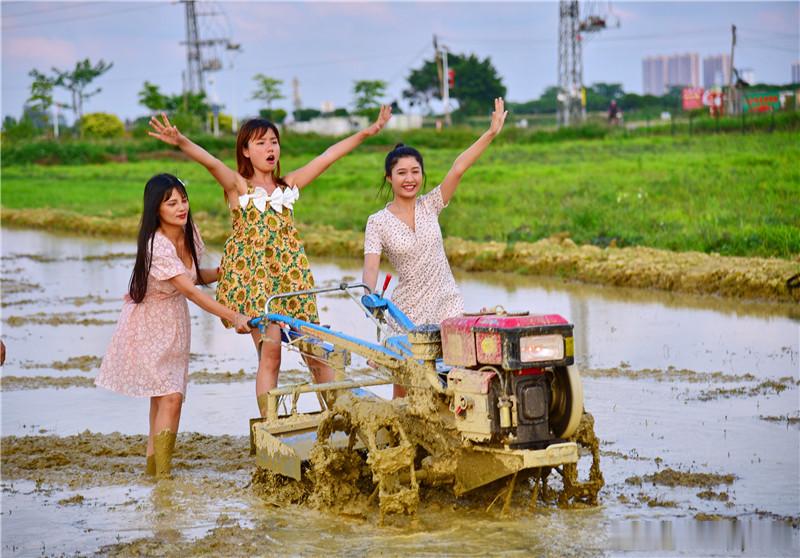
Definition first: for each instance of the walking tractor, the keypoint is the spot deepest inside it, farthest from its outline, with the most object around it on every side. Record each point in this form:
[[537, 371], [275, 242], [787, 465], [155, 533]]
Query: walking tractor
[[489, 396]]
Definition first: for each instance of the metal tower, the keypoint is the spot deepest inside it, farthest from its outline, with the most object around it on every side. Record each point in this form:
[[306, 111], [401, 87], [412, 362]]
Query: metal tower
[[572, 32], [196, 63], [570, 64]]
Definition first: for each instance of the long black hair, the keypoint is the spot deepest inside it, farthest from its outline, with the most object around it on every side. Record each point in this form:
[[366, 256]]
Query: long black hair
[[158, 190], [401, 150]]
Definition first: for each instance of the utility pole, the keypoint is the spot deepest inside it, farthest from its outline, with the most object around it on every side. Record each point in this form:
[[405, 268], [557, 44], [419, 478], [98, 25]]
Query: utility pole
[[446, 84], [444, 78], [296, 101], [732, 92]]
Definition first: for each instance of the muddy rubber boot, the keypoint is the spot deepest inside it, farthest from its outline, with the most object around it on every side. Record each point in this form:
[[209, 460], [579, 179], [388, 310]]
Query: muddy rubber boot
[[150, 470], [164, 446], [262, 400]]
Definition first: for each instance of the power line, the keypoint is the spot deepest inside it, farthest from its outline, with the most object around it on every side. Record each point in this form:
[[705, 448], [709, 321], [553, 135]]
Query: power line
[[63, 6], [90, 16]]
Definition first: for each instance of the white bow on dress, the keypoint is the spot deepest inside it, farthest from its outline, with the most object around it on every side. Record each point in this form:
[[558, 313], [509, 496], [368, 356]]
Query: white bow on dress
[[279, 198]]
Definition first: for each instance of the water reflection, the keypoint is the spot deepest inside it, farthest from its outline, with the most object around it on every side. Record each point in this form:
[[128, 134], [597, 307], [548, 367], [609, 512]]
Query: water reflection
[[645, 425]]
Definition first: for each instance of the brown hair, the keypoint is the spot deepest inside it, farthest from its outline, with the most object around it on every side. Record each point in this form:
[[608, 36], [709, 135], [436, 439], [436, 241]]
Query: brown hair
[[254, 129]]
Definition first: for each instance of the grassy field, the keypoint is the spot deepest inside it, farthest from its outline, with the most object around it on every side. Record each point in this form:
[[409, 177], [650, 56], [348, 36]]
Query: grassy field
[[731, 194]]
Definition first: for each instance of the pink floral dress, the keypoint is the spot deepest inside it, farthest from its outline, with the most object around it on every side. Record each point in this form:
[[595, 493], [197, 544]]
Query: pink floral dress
[[426, 290], [149, 353]]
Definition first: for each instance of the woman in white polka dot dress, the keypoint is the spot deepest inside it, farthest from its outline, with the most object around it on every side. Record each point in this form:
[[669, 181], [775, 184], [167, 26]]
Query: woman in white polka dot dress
[[407, 231]]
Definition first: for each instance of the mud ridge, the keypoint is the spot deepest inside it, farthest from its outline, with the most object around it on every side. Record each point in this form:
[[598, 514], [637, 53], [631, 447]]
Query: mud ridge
[[639, 267]]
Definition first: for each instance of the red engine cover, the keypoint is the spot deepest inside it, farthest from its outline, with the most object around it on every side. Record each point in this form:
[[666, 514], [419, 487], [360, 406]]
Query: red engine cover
[[459, 345]]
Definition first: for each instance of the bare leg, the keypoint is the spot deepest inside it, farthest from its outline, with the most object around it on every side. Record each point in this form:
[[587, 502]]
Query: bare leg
[[320, 371], [269, 363], [168, 412]]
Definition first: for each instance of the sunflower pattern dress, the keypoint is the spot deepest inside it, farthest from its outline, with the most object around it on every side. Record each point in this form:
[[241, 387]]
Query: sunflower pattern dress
[[264, 256]]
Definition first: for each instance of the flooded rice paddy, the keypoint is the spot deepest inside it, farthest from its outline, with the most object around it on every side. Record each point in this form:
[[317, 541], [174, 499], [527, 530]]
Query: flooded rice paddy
[[695, 402]]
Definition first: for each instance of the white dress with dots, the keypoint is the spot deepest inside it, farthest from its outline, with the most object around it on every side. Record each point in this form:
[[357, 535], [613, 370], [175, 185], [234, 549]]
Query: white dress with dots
[[426, 291]]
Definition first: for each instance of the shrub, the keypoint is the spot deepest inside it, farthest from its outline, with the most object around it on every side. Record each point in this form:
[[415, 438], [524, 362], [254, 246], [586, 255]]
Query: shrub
[[273, 115], [102, 125], [187, 122], [24, 129]]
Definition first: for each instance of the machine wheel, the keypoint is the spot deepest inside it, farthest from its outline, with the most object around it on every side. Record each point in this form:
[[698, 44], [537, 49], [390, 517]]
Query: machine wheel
[[566, 401]]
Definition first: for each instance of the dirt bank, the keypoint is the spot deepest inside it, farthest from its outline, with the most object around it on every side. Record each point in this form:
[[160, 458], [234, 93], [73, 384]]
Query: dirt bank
[[648, 268]]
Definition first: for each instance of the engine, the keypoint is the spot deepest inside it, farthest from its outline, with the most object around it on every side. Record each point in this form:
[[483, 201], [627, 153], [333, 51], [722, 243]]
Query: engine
[[507, 376]]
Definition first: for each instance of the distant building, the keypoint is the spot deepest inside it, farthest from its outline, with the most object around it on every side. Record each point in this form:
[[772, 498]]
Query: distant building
[[404, 122], [716, 70], [659, 73], [654, 75], [341, 125], [330, 125], [796, 72]]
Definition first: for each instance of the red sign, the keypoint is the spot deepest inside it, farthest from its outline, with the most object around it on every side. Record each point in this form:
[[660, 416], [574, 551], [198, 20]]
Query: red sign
[[692, 98]]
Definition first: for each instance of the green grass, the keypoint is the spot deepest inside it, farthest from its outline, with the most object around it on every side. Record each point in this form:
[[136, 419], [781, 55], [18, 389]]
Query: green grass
[[731, 194]]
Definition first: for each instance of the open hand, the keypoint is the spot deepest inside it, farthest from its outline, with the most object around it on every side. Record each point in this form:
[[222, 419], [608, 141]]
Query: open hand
[[383, 118], [498, 116], [164, 131]]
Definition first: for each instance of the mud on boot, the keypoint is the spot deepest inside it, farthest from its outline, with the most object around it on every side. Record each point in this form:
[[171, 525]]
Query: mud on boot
[[164, 447]]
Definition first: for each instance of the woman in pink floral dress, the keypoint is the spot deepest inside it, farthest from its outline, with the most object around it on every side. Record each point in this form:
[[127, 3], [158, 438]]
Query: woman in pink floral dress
[[407, 230], [149, 353]]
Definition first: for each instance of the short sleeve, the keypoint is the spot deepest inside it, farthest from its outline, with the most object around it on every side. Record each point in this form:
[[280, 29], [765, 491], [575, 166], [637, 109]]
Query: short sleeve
[[372, 237], [165, 263], [433, 200]]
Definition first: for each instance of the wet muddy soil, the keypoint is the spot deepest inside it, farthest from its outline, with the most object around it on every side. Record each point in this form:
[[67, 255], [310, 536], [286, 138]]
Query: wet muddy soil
[[694, 396]]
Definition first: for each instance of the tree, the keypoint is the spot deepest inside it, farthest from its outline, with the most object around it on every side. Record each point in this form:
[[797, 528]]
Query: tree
[[41, 98], [268, 89], [151, 97], [476, 86], [367, 95], [187, 110], [77, 80]]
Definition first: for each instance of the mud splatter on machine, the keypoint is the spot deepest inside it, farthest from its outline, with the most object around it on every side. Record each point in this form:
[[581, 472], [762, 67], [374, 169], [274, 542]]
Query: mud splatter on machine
[[489, 396]]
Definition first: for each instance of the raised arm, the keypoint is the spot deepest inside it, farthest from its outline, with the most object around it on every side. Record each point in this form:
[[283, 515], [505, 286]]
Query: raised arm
[[166, 132], [304, 175], [187, 289], [468, 157]]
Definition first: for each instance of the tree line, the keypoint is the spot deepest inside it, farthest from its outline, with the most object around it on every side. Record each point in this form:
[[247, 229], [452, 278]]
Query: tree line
[[473, 84]]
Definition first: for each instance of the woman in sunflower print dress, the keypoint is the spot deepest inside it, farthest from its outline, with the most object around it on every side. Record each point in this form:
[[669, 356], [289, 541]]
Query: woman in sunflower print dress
[[264, 254]]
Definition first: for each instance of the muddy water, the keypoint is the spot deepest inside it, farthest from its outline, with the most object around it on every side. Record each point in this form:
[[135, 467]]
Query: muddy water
[[680, 387]]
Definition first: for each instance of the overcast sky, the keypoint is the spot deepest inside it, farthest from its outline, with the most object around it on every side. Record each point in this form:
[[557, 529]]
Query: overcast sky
[[329, 45]]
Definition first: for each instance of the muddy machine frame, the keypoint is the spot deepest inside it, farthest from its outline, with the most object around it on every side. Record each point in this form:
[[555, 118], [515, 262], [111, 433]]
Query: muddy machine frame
[[489, 396]]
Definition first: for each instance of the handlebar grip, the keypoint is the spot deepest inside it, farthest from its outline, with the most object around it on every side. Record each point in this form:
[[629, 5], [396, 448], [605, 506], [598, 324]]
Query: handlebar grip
[[253, 322]]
